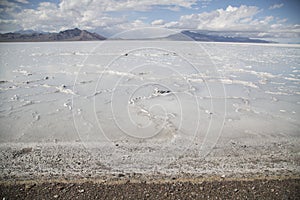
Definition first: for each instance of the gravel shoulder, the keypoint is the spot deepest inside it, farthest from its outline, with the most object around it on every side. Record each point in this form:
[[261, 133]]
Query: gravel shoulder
[[123, 171]]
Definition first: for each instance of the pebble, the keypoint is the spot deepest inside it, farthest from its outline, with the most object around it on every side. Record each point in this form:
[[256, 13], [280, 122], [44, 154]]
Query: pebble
[[236, 190], [55, 196], [29, 186], [60, 187]]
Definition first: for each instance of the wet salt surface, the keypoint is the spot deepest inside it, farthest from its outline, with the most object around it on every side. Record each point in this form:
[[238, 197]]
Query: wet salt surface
[[153, 102]]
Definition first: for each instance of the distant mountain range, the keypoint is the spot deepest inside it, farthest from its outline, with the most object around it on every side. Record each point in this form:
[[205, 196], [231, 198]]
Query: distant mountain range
[[67, 35], [83, 35], [207, 37]]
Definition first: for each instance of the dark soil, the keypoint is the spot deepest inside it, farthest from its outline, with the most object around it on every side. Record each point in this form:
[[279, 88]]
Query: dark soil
[[221, 189]]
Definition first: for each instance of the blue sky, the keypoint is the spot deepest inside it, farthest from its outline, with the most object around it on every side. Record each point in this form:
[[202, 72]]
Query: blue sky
[[257, 18]]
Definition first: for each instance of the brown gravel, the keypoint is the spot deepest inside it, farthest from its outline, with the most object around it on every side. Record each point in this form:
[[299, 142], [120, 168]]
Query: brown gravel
[[217, 189]]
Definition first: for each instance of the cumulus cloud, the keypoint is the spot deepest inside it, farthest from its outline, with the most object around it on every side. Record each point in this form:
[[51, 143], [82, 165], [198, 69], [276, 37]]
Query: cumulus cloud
[[8, 6], [9, 25], [275, 6], [232, 18], [85, 14], [99, 16], [241, 20], [22, 1], [120, 5], [141, 5], [157, 22], [205, 3]]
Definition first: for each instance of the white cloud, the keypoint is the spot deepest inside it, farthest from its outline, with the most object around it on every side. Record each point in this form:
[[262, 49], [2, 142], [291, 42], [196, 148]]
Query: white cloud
[[22, 1], [118, 5], [97, 15], [173, 8], [84, 14], [8, 5], [9, 25], [205, 3], [275, 6], [232, 18], [242, 20], [157, 22]]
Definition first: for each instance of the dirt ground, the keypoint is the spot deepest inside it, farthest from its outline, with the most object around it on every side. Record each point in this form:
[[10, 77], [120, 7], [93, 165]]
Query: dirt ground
[[175, 189]]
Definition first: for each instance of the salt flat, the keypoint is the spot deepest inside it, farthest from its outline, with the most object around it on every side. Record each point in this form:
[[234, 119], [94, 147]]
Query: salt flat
[[99, 108]]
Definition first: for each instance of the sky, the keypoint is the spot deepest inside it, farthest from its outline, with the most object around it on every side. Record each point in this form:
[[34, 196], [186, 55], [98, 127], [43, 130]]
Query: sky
[[276, 19]]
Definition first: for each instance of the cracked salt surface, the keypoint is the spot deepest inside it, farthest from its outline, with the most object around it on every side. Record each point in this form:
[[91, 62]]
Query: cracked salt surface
[[167, 105]]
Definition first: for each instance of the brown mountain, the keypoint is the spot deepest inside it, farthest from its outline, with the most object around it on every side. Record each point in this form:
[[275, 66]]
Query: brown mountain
[[67, 35]]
